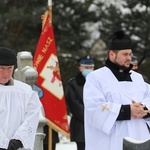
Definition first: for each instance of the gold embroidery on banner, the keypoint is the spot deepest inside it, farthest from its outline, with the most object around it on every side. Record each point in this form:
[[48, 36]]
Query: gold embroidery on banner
[[47, 45], [38, 60]]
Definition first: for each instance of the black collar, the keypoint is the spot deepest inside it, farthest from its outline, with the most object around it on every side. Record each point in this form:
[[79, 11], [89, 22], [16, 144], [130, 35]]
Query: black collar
[[121, 75]]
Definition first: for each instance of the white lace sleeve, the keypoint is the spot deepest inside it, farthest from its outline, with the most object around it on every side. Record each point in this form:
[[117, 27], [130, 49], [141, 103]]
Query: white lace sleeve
[[3, 140]]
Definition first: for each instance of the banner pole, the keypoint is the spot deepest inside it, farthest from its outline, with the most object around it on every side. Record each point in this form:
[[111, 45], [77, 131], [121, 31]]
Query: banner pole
[[49, 2], [50, 8], [50, 137], [49, 128]]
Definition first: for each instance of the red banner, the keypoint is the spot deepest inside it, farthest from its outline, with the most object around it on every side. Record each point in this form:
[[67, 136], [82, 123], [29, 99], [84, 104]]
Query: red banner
[[49, 82]]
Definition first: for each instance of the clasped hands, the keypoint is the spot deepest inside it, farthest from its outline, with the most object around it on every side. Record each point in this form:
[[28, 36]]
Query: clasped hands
[[14, 144], [137, 110]]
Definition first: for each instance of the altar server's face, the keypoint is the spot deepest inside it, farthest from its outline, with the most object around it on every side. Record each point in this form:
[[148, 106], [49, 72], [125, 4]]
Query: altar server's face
[[6, 73], [121, 57]]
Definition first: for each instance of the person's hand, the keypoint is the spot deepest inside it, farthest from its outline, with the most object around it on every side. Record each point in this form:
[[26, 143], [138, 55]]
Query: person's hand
[[137, 110], [14, 144]]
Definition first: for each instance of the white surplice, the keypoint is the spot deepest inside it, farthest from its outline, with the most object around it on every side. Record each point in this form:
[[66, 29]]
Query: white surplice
[[103, 97], [19, 114]]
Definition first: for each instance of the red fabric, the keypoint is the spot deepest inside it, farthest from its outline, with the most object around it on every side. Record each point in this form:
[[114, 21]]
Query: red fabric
[[49, 79]]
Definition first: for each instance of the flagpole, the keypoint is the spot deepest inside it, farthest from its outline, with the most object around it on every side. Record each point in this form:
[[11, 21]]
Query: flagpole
[[50, 129], [49, 2], [50, 137], [50, 5]]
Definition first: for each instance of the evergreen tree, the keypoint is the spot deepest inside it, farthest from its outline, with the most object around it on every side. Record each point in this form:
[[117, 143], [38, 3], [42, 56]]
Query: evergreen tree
[[69, 18], [20, 23]]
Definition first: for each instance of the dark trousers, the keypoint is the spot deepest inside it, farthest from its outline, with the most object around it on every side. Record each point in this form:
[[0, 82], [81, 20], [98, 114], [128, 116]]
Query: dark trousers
[[80, 145]]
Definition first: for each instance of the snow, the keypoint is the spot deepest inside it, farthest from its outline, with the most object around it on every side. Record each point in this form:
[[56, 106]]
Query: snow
[[25, 55]]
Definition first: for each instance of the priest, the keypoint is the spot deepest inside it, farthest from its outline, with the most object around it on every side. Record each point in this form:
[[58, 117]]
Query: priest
[[116, 99], [19, 107]]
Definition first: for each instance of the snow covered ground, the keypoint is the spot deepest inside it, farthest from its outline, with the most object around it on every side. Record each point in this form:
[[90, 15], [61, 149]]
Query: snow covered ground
[[65, 144]]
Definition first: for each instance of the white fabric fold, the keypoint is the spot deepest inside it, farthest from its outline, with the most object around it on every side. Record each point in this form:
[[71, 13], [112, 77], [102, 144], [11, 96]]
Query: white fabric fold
[[19, 114]]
